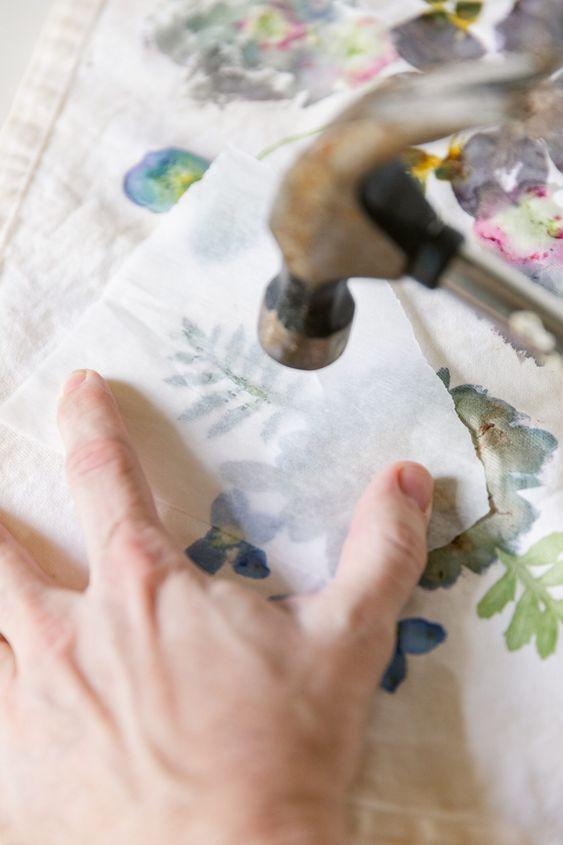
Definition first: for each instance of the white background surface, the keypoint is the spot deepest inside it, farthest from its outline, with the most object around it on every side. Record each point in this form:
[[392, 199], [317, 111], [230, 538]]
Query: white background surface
[[20, 25]]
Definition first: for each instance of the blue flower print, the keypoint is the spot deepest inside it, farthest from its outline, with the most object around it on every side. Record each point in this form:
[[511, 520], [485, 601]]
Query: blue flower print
[[250, 562], [232, 521], [414, 636], [159, 180]]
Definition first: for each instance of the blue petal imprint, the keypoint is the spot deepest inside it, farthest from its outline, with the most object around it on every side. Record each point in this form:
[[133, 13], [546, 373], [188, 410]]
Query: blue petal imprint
[[414, 636], [232, 518]]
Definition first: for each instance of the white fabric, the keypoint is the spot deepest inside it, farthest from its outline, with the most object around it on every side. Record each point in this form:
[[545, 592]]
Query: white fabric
[[468, 751], [306, 443]]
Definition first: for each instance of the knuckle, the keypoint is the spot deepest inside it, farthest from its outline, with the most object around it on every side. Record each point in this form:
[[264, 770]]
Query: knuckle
[[141, 550], [363, 621], [364, 627], [137, 539], [377, 633], [59, 640], [100, 454], [373, 621], [53, 634]]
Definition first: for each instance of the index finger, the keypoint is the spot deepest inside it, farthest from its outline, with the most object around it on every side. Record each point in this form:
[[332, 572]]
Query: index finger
[[105, 476]]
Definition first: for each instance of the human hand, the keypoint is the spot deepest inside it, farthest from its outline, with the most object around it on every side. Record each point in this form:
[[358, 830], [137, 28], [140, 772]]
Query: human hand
[[164, 705]]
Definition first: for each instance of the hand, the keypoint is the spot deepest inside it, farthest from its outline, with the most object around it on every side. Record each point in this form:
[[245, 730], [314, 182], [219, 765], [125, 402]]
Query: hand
[[162, 705]]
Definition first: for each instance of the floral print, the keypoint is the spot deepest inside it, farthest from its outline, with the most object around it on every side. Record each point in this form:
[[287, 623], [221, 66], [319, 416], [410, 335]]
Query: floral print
[[529, 236], [504, 178], [501, 177], [513, 454], [254, 50], [537, 22], [414, 636], [508, 180], [441, 34], [251, 50], [159, 180], [231, 519]]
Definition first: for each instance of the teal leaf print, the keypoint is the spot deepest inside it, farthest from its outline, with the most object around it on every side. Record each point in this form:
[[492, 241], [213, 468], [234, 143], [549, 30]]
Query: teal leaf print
[[537, 613], [238, 380], [514, 455]]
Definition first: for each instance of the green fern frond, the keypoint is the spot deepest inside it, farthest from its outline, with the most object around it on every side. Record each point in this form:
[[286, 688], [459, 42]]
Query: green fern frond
[[243, 382], [537, 613]]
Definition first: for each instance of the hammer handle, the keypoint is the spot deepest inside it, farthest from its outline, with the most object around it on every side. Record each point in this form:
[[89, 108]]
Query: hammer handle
[[523, 311]]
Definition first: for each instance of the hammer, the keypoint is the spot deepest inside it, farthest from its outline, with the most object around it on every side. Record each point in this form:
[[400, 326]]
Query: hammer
[[347, 208]]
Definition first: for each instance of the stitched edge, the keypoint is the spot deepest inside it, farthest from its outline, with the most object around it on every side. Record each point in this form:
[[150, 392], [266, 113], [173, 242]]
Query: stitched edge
[[417, 826], [39, 101]]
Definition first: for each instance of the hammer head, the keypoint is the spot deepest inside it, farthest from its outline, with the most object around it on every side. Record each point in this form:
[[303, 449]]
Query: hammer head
[[302, 326], [347, 208]]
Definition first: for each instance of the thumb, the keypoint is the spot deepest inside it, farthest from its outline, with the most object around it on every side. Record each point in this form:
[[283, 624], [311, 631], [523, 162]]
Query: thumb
[[385, 550]]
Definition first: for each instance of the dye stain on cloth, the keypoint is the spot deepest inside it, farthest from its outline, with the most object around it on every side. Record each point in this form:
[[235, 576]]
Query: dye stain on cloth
[[514, 454], [161, 177], [251, 50]]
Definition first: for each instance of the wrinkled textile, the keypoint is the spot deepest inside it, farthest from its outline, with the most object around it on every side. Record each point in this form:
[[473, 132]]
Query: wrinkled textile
[[125, 106], [286, 454]]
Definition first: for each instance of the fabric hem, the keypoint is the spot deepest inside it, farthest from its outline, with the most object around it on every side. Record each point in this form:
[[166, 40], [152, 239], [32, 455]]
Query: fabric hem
[[38, 103], [385, 824]]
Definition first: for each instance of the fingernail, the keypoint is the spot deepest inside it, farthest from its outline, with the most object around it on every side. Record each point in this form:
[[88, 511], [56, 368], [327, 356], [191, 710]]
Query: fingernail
[[417, 483], [73, 381]]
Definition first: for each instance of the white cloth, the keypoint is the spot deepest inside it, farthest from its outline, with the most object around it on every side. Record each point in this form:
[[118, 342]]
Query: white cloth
[[468, 750], [210, 412]]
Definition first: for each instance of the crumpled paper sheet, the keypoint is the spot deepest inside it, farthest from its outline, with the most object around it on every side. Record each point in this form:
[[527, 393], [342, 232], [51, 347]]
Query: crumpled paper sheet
[[209, 411]]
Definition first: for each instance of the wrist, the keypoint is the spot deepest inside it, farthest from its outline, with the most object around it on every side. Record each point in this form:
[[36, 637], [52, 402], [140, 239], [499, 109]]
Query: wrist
[[273, 823], [277, 832], [279, 829], [276, 826]]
